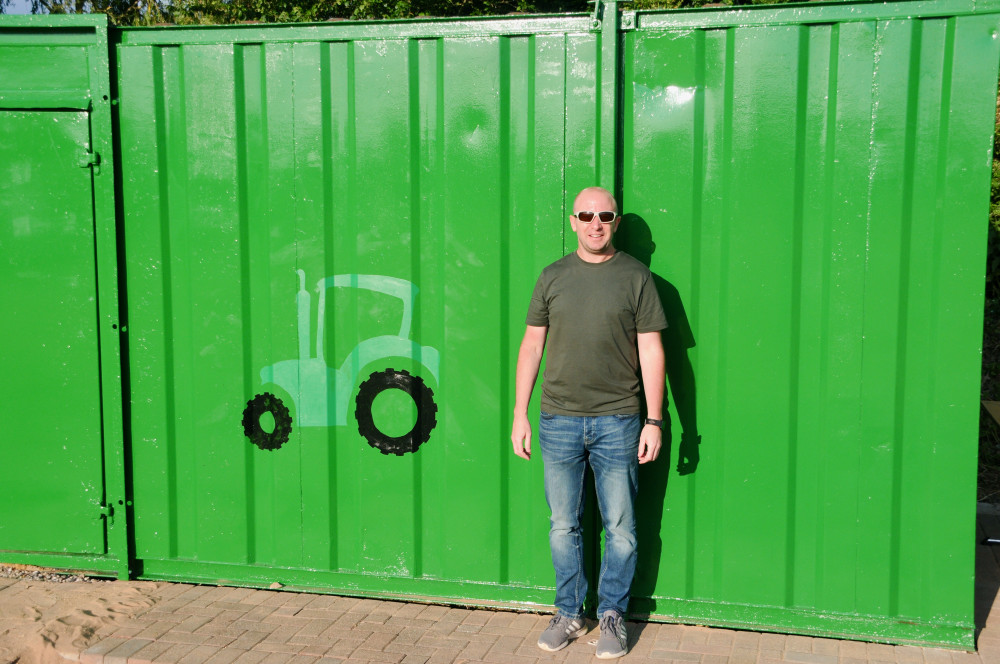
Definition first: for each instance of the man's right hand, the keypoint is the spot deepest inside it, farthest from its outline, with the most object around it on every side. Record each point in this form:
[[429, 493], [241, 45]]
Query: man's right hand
[[520, 435]]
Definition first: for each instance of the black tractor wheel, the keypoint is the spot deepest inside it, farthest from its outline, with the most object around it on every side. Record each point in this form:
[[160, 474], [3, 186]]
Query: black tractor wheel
[[267, 403], [422, 396]]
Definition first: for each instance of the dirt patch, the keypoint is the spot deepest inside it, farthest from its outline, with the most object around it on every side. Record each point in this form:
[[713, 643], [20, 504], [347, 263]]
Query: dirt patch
[[49, 618]]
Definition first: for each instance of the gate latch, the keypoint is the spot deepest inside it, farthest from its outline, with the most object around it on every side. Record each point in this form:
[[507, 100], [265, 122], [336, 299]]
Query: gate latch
[[106, 512]]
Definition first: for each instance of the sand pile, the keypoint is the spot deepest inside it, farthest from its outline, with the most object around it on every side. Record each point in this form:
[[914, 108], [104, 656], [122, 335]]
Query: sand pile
[[47, 618]]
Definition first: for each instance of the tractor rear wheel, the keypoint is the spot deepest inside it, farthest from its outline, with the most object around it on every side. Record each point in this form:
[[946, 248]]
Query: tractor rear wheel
[[422, 396]]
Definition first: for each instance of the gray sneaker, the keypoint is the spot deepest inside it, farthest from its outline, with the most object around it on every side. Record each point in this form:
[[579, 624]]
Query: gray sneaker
[[560, 630], [614, 639]]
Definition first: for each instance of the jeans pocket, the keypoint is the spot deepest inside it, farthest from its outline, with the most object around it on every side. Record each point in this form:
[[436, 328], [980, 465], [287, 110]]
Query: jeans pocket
[[547, 416]]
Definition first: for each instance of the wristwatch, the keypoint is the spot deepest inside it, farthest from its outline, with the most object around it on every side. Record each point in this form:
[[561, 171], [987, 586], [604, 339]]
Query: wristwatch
[[655, 423]]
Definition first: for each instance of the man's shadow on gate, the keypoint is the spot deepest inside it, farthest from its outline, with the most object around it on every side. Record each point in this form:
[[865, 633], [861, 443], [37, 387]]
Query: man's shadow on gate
[[635, 238]]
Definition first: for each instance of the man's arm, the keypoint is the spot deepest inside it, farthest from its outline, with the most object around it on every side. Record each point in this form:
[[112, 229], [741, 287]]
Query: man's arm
[[529, 358], [653, 366]]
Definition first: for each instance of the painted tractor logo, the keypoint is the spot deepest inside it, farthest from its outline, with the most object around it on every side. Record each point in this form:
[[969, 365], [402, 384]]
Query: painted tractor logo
[[321, 394]]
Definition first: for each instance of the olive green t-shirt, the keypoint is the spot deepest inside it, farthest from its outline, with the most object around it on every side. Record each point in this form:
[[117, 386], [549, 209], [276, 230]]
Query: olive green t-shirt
[[593, 312]]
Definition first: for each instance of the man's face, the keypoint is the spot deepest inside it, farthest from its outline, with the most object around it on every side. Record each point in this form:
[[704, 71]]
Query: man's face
[[594, 236]]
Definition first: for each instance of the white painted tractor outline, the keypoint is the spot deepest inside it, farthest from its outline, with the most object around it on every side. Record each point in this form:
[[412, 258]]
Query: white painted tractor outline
[[321, 394]]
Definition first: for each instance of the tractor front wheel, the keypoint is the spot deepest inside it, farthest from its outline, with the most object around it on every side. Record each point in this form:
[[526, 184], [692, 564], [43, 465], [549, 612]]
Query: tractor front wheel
[[422, 396], [267, 403]]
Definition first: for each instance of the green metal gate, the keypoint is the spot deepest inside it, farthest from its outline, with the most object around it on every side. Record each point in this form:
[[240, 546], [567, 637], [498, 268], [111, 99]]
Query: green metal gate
[[809, 185], [63, 479], [329, 235]]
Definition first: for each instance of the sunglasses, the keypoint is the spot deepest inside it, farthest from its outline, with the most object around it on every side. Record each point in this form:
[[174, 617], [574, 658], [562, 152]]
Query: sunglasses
[[607, 216]]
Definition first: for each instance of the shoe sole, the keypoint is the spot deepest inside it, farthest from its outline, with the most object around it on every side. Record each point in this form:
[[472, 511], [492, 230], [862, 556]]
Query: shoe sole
[[575, 635], [611, 655]]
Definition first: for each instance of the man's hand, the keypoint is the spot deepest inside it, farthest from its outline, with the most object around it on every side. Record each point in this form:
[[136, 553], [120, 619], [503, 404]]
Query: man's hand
[[520, 435], [649, 443]]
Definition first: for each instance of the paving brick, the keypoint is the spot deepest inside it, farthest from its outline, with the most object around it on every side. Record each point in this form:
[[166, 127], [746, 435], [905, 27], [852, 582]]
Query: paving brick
[[692, 637], [156, 630], [477, 617], [303, 641], [315, 649], [499, 658], [937, 656], [302, 659], [855, 649], [269, 646], [826, 646], [225, 656], [95, 653], [705, 648], [219, 640], [342, 648], [506, 644], [250, 657], [741, 655], [277, 658], [283, 633], [314, 628], [909, 654], [966, 658], [416, 649], [173, 653], [248, 640], [475, 650], [414, 659], [384, 628], [128, 631], [198, 655], [721, 637], [880, 651], [150, 652], [184, 637], [260, 612], [676, 656], [378, 655], [809, 658], [769, 641], [313, 614], [125, 650], [715, 659], [667, 645], [797, 643]]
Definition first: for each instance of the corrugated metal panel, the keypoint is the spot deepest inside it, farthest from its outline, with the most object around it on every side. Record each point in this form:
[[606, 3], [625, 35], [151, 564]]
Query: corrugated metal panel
[[816, 196], [442, 161]]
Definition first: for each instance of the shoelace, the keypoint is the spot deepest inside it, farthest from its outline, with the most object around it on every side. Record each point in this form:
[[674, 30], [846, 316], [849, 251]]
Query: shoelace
[[555, 621], [612, 623]]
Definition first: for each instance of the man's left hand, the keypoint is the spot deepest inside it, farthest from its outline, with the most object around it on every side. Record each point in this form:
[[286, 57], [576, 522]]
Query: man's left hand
[[649, 443]]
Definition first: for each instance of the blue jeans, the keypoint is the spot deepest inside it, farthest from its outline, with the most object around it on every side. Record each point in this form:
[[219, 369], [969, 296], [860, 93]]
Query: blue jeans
[[610, 444]]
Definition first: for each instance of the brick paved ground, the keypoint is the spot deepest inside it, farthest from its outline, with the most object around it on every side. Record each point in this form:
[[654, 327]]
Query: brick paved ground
[[195, 624]]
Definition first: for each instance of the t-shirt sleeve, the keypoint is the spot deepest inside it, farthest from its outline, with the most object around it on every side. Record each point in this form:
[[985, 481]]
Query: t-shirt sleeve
[[649, 316], [538, 309]]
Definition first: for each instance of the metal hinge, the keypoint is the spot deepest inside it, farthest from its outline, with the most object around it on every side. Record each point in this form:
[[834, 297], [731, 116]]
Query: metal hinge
[[88, 159]]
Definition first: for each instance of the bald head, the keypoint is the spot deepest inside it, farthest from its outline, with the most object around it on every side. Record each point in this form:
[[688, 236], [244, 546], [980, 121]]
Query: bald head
[[592, 195]]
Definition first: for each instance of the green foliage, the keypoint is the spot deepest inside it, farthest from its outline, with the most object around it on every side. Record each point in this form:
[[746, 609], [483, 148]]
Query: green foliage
[[993, 247], [269, 11], [147, 12]]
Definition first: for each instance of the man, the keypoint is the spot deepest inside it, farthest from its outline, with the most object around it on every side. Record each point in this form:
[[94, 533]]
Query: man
[[599, 312]]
